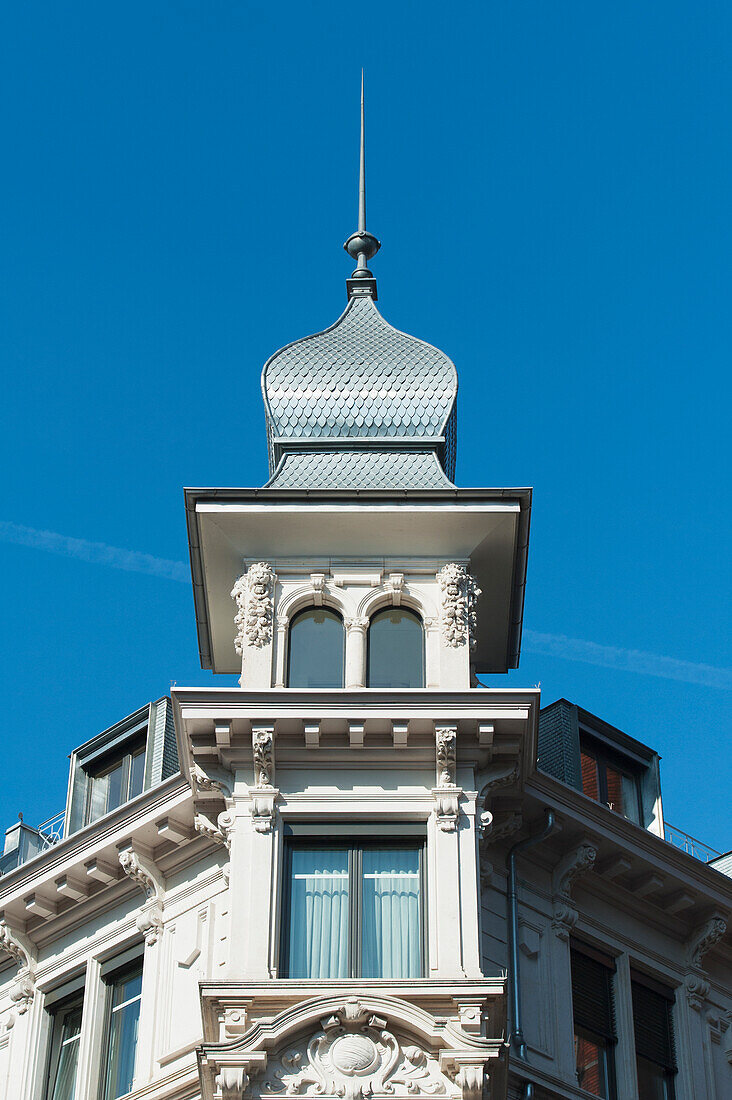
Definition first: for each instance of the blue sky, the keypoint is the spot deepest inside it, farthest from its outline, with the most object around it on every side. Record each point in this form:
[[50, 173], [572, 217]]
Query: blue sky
[[551, 185]]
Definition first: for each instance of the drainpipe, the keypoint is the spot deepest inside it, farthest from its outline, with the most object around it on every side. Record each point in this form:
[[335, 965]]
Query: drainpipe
[[517, 1042]]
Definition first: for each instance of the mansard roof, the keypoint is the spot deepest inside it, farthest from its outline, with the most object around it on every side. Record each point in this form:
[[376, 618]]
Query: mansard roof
[[360, 405]]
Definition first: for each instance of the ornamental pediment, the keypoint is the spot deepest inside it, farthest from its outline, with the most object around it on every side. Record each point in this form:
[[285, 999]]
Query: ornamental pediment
[[355, 1049]]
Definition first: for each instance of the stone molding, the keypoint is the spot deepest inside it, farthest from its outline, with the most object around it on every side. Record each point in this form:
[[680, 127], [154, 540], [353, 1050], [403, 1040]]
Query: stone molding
[[23, 952], [147, 876], [351, 1047], [578, 861], [446, 793], [253, 593], [459, 597]]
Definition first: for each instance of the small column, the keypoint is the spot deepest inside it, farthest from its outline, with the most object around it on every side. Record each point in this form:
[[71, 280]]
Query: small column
[[356, 652], [281, 651]]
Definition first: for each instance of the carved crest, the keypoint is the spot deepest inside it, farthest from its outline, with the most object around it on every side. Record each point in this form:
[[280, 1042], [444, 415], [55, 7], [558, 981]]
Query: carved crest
[[354, 1056], [459, 598], [254, 596]]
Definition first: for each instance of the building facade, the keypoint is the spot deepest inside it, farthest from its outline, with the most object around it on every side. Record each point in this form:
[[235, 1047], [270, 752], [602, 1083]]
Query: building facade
[[360, 873]]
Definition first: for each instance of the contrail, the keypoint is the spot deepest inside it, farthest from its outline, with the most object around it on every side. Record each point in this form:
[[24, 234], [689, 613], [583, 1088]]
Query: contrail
[[551, 645], [132, 561], [626, 660]]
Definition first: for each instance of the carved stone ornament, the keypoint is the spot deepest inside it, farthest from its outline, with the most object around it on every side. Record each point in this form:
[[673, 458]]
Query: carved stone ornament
[[358, 624], [263, 750], [220, 833], [353, 1056], [573, 864], [446, 792], [254, 596], [696, 981], [23, 952], [459, 597], [148, 878], [210, 783], [446, 755]]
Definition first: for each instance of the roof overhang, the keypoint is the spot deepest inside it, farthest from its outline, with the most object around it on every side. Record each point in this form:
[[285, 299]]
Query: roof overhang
[[487, 527]]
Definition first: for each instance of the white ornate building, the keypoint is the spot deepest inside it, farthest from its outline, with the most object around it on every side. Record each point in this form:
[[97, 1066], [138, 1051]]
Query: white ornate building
[[360, 874]]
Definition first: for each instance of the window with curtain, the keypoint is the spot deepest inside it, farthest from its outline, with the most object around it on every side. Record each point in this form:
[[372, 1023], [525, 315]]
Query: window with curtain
[[654, 1038], [607, 779], [123, 1015], [120, 778], [64, 1055], [354, 910], [395, 649], [594, 1021], [315, 652]]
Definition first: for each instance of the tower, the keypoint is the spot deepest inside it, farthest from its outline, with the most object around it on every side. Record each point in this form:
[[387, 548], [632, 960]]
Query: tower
[[352, 773]]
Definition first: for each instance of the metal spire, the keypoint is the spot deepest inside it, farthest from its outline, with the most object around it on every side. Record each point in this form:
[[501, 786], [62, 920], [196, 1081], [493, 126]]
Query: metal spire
[[362, 245]]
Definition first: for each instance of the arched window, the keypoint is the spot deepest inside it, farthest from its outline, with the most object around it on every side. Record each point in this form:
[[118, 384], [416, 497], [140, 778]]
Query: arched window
[[395, 649], [315, 651]]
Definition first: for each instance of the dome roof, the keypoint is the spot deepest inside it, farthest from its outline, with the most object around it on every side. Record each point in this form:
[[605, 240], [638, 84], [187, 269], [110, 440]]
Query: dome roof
[[360, 385]]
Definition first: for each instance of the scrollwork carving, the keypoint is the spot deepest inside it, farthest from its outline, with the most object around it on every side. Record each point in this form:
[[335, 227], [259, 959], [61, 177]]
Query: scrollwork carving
[[263, 750], [205, 783], [459, 598], [704, 937], [23, 952], [446, 755], [146, 875], [573, 864], [254, 597]]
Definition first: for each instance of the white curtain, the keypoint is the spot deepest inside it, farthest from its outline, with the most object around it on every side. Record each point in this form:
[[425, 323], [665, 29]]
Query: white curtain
[[391, 940], [319, 914]]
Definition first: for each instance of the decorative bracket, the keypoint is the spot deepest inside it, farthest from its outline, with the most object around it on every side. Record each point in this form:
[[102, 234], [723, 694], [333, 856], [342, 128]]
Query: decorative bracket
[[213, 782], [702, 939], [446, 792], [220, 833], [574, 863], [23, 952], [150, 880]]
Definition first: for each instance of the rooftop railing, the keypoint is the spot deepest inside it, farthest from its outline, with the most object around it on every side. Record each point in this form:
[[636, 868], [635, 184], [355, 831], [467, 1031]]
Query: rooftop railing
[[52, 830], [690, 844]]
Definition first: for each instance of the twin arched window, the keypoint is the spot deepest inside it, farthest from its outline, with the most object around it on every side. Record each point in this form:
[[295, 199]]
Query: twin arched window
[[395, 649]]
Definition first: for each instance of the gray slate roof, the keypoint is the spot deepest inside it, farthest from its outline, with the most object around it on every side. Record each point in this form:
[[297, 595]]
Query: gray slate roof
[[360, 470], [361, 378]]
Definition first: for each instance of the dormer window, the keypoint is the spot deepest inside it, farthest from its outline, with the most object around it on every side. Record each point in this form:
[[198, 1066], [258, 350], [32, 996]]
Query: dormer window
[[609, 779], [316, 649], [395, 650], [118, 779]]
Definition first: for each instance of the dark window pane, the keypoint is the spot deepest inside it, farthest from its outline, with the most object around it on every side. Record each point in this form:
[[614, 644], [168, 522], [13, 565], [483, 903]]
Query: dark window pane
[[319, 913], [590, 785], [395, 650], [137, 774], [591, 1060], [654, 1082], [614, 790], [125, 1015], [315, 655], [390, 937], [652, 1024], [114, 792], [64, 1053]]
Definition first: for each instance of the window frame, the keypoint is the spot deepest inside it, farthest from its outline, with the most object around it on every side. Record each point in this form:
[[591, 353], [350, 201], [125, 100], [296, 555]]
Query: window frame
[[123, 755], [114, 971], [354, 841], [56, 1010], [301, 611], [606, 1042], [381, 611], [667, 994], [605, 757]]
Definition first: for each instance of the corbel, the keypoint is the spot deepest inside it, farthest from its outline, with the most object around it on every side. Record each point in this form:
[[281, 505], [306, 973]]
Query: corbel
[[356, 731], [395, 587], [704, 936], [149, 878], [220, 832], [232, 1082], [446, 793], [22, 951], [312, 735], [211, 782], [317, 588], [400, 734], [574, 863], [264, 792]]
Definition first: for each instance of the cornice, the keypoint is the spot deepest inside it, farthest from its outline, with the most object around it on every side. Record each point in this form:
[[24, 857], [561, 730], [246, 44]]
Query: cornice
[[587, 814]]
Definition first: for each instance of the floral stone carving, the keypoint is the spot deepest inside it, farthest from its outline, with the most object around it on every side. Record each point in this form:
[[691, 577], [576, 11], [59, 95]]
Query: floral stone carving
[[254, 596], [354, 1056], [23, 952], [459, 597]]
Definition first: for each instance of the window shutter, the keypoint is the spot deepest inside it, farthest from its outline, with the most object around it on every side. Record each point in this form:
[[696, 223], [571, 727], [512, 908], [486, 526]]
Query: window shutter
[[592, 995], [652, 1024]]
